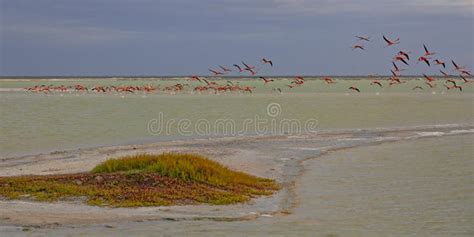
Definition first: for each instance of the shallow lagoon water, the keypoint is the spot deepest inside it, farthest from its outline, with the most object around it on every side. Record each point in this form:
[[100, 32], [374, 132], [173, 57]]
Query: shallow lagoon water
[[32, 123], [414, 187]]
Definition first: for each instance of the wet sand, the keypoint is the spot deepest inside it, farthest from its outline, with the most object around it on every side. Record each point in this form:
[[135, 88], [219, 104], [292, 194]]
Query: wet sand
[[288, 159]]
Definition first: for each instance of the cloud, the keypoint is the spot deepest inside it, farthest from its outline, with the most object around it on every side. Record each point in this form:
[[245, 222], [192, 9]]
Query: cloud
[[67, 34], [304, 35], [378, 7]]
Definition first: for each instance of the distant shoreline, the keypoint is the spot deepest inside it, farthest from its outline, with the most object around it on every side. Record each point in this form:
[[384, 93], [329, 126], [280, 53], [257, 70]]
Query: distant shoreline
[[356, 77]]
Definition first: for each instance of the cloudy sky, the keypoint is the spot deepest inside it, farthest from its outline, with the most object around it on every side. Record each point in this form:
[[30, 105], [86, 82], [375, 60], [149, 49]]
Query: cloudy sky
[[182, 37]]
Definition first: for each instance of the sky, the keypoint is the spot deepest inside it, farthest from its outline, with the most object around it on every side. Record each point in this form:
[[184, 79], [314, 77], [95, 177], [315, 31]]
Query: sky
[[184, 37]]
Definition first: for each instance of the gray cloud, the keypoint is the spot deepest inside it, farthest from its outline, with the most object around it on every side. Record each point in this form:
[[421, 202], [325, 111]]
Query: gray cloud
[[380, 7], [67, 34], [303, 36]]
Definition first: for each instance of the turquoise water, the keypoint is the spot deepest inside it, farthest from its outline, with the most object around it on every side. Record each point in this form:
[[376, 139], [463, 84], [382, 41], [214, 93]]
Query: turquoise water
[[312, 84], [37, 122]]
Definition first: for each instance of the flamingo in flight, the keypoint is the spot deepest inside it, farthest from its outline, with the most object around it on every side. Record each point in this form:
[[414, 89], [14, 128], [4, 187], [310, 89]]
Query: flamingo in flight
[[444, 74], [461, 69], [195, 78], [216, 73], [252, 72], [225, 69], [264, 60], [424, 59], [247, 66], [357, 46], [439, 62], [400, 58], [454, 86], [266, 80], [354, 89], [427, 52], [405, 54], [209, 83], [238, 67], [466, 72], [391, 42], [394, 73], [451, 80], [456, 67], [465, 79], [397, 69], [364, 38], [394, 81], [428, 78], [376, 83], [430, 85], [298, 81]]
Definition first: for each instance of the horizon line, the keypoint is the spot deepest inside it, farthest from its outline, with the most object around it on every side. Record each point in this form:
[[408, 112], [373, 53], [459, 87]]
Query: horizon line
[[208, 76]]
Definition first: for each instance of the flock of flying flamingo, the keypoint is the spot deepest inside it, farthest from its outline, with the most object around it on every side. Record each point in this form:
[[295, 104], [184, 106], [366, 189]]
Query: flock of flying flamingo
[[206, 85], [404, 57]]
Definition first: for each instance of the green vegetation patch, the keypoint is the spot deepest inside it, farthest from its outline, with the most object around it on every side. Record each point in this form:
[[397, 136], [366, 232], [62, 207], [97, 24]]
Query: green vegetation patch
[[143, 180]]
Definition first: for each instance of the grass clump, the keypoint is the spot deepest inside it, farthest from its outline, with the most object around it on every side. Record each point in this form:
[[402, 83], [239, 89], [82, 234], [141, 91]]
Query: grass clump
[[144, 180], [188, 167]]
